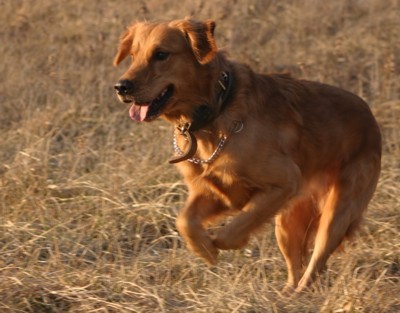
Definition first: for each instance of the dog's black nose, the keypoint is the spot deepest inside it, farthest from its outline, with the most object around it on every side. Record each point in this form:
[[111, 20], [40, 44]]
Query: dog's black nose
[[124, 87]]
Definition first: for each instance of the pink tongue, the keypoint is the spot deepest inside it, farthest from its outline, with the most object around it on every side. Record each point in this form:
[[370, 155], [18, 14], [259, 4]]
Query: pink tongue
[[138, 112]]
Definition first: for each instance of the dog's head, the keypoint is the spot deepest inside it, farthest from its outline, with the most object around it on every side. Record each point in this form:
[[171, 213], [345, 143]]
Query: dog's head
[[168, 73]]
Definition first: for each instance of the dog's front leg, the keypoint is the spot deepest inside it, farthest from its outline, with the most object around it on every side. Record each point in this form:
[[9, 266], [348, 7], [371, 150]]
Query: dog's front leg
[[262, 206], [259, 210], [190, 224]]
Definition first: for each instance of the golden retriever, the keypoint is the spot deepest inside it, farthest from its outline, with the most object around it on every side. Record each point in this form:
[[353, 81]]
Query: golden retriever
[[253, 146]]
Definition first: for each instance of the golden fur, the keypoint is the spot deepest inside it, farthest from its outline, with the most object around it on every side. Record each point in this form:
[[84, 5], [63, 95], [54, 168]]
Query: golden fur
[[308, 155]]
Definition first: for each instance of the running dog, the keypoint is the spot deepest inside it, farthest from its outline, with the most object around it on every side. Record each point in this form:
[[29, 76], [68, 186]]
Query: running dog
[[252, 145]]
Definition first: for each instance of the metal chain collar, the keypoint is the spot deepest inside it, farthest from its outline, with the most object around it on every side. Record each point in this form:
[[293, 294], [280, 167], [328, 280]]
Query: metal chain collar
[[195, 160], [237, 127]]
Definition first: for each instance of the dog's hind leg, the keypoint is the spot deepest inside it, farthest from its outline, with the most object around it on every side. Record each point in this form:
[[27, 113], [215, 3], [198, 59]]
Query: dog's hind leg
[[292, 229], [341, 212]]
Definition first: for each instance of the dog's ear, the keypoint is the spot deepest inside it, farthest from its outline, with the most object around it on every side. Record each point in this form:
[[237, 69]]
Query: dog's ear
[[201, 38], [125, 45]]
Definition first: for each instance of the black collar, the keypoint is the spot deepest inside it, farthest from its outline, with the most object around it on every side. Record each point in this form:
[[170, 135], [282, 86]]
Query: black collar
[[204, 115]]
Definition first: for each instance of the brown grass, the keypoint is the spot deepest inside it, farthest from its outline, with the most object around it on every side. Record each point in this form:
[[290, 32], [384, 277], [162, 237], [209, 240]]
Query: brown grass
[[88, 201]]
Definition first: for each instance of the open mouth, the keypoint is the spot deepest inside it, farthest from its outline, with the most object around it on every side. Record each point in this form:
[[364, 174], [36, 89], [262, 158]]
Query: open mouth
[[150, 110]]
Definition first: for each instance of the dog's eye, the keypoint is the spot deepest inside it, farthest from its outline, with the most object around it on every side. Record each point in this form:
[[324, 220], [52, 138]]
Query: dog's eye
[[161, 55]]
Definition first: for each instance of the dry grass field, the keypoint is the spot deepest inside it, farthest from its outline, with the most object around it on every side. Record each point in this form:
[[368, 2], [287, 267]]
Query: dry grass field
[[88, 200]]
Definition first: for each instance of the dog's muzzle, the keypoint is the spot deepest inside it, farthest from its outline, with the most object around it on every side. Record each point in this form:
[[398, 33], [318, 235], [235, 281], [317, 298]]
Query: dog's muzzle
[[124, 87]]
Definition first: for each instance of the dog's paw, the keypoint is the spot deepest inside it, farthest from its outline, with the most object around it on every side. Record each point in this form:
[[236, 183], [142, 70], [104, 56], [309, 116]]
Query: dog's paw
[[209, 254], [288, 290], [212, 257], [205, 250], [224, 241]]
